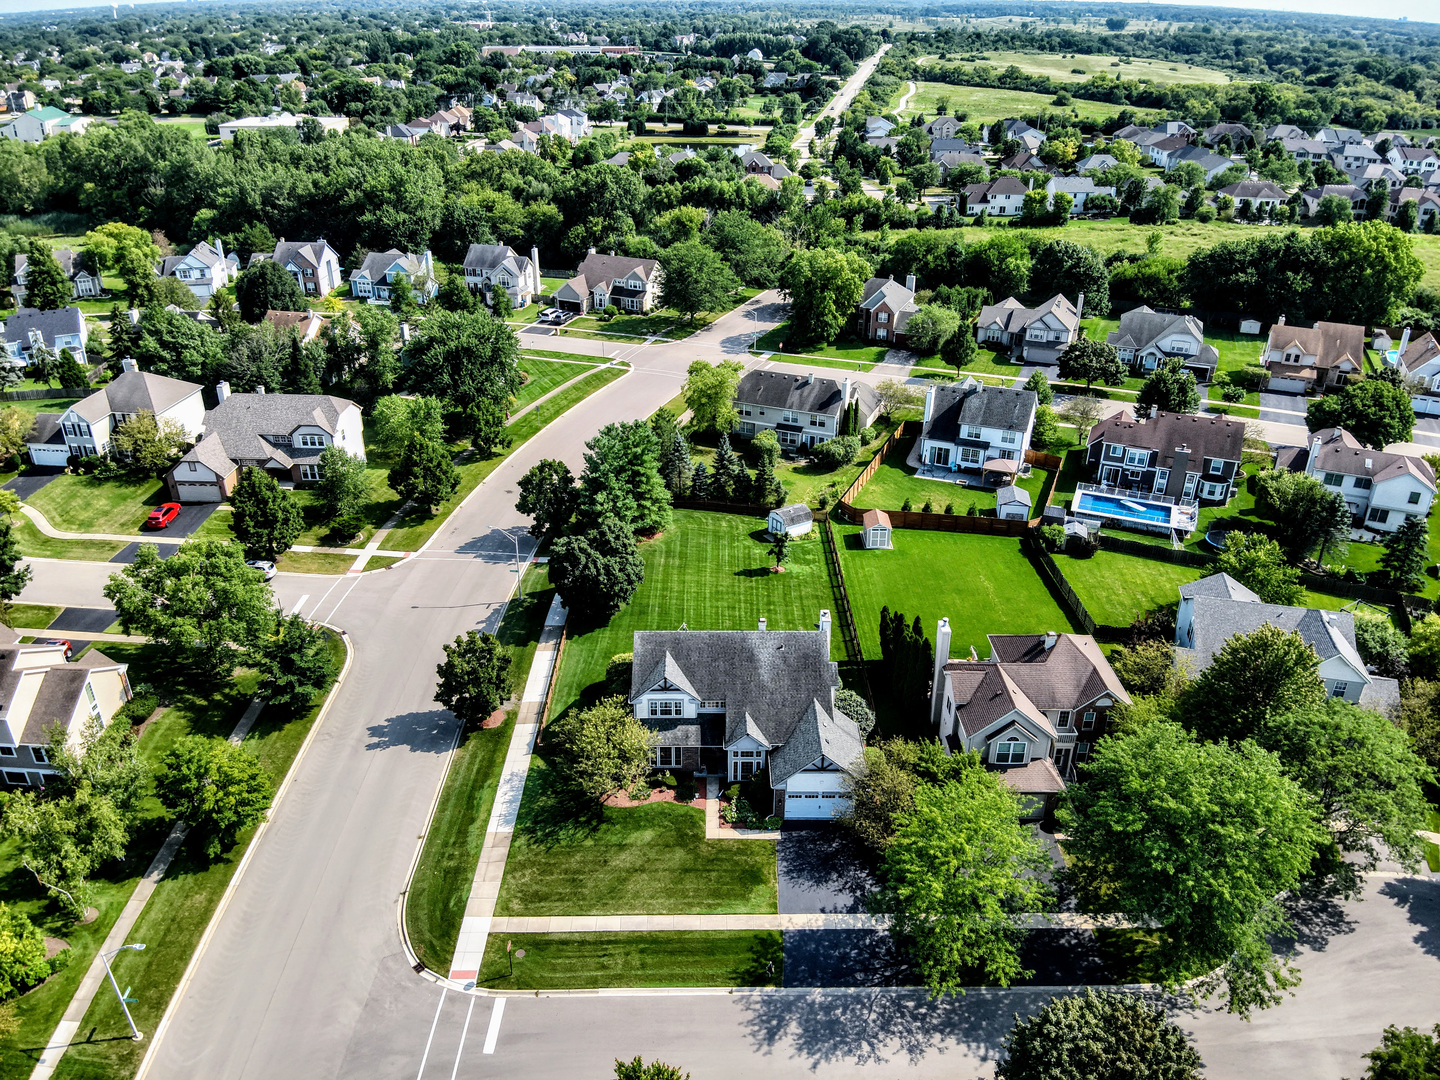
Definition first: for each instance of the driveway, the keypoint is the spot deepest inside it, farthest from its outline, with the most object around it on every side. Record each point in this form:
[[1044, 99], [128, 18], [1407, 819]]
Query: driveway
[[1282, 408], [33, 479], [188, 520], [820, 869]]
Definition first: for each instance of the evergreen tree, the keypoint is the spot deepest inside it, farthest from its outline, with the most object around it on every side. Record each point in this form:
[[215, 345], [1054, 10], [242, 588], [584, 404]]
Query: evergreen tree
[[302, 374], [700, 482], [266, 519], [729, 476], [46, 286], [1406, 553], [426, 474], [959, 348], [124, 339], [675, 466], [69, 372]]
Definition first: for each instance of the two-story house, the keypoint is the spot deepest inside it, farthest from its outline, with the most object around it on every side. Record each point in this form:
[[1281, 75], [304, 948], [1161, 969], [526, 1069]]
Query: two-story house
[[204, 270], [734, 702], [1426, 200], [973, 427], [1322, 357], [488, 265], [1356, 196], [284, 434], [1420, 361], [632, 285], [884, 310], [801, 409], [757, 164], [1145, 339], [84, 429], [313, 264], [1263, 195], [84, 278], [1035, 335], [1414, 161], [63, 328], [1357, 156], [40, 689], [1216, 608], [1033, 711], [944, 127], [1182, 456], [1381, 489], [997, 198], [877, 127], [37, 125], [373, 280], [1080, 189]]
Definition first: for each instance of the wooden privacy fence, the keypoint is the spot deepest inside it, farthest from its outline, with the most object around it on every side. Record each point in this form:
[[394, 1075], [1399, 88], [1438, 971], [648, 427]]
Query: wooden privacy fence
[[1055, 578], [45, 392], [959, 523], [906, 429]]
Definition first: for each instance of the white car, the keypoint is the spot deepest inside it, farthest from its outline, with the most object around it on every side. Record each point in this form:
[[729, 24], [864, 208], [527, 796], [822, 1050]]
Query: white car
[[552, 314], [266, 568]]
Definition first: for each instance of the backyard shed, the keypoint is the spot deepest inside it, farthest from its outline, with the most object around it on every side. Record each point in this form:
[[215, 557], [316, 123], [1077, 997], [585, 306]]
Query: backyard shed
[[1249, 326], [875, 531], [795, 520], [1012, 502]]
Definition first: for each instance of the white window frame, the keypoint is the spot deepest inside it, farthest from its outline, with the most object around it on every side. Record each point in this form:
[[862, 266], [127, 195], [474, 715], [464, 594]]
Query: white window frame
[[40, 755], [1011, 747], [971, 455], [1065, 719], [1087, 721], [1009, 438], [1137, 457], [7, 751], [1339, 690], [309, 472], [972, 432], [17, 779]]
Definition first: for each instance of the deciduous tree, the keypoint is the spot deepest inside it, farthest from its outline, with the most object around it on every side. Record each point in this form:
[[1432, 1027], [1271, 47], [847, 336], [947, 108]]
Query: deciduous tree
[[596, 572], [397, 419], [1090, 361], [548, 495], [823, 286], [425, 474], [1098, 1036], [125, 251], [1256, 675], [1257, 562], [1170, 388], [464, 358], [474, 678], [265, 519], [710, 394], [606, 747], [696, 279], [1309, 517], [295, 661], [215, 786], [342, 486], [1375, 411]]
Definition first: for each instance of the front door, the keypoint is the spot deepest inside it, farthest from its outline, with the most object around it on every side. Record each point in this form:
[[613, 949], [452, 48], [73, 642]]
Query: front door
[[1062, 759], [747, 769]]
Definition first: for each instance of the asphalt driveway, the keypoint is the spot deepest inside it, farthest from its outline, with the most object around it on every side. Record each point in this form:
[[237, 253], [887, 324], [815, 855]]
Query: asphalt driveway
[[33, 479], [820, 869], [1282, 408]]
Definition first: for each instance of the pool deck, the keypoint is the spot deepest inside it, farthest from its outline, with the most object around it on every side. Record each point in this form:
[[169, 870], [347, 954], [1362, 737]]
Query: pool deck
[[1111, 504]]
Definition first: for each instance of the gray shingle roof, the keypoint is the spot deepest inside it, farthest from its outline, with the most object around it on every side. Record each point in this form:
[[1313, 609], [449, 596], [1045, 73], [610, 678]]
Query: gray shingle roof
[[493, 256], [974, 403], [1203, 436], [818, 733], [1010, 493], [1329, 343], [240, 421], [377, 263], [133, 392], [803, 393], [794, 514], [1221, 585], [767, 678], [61, 321], [1216, 620], [1339, 451], [210, 452], [1071, 673]]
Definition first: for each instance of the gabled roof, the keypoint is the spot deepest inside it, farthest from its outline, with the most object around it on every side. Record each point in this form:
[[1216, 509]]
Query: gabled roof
[[973, 403], [1336, 450], [210, 452], [794, 514], [1142, 327], [1216, 620], [1012, 316], [871, 518], [818, 734], [607, 268], [1071, 673], [1421, 351], [494, 256], [133, 392], [1254, 189], [379, 263], [61, 321], [803, 393], [1221, 585], [1200, 437], [1329, 343], [241, 420], [667, 671], [71, 262], [890, 292]]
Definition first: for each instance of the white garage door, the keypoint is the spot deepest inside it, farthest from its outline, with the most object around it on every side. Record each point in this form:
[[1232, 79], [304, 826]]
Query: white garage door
[[1426, 406], [814, 805], [49, 455], [1287, 386], [198, 493]]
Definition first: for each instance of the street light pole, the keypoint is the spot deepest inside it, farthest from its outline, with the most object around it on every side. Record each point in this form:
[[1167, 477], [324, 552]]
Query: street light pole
[[134, 1031], [520, 581]]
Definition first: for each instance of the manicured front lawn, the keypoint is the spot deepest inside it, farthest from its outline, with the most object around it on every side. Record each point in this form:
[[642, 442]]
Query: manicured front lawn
[[314, 562], [85, 504], [894, 482], [708, 571], [33, 616], [983, 584], [37, 545], [855, 351], [571, 856], [546, 375], [674, 958], [1117, 589], [39, 405], [440, 887]]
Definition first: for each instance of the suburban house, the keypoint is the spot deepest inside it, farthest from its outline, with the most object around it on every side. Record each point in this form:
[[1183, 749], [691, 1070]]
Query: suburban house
[[37, 125], [1426, 200], [84, 278], [944, 127], [949, 160], [63, 328], [877, 127], [733, 702], [601, 280], [1239, 135], [997, 198], [1357, 197], [229, 128], [1182, 456], [1145, 339], [1035, 335], [1216, 608], [488, 265], [972, 427], [306, 324], [84, 429], [1079, 188], [757, 164], [1025, 161], [801, 409], [1380, 488], [1096, 162], [1420, 360], [1414, 161], [39, 689], [314, 265], [1339, 136], [884, 309], [1029, 137], [1261, 194], [205, 270], [373, 280], [284, 434], [1358, 155], [1303, 149], [793, 520], [1211, 164], [1322, 357], [1034, 710]]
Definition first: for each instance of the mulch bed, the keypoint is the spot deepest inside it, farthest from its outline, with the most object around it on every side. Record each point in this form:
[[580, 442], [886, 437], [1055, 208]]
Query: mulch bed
[[658, 795], [54, 946], [494, 720]]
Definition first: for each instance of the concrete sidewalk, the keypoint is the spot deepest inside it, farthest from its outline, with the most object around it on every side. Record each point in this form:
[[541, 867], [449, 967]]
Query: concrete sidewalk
[[475, 927]]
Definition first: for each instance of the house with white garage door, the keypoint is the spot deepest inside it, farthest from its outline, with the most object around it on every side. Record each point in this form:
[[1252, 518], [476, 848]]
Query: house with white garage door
[[732, 703], [84, 429], [1320, 357]]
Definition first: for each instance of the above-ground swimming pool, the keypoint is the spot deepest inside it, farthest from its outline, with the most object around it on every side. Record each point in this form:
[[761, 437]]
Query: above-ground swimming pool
[[1137, 510]]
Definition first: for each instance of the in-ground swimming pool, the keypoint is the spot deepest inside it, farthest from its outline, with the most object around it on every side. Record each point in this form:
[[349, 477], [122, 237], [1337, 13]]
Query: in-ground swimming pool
[[1126, 509]]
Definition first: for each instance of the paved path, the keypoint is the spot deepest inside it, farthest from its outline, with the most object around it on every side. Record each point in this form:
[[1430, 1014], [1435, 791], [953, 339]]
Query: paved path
[[840, 102], [475, 926]]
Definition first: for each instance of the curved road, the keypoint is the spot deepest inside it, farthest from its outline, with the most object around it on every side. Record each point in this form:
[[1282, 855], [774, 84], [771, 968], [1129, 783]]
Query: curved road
[[305, 976]]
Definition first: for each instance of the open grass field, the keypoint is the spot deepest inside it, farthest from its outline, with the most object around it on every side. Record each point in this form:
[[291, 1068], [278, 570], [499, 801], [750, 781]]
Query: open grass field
[[571, 856], [983, 584], [1062, 68], [675, 958], [894, 482], [709, 571], [440, 887], [985, 105], [1117, 589]]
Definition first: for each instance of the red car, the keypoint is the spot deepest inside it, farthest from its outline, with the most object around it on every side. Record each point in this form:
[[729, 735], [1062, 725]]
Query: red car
[[61, 641], [162, 515]]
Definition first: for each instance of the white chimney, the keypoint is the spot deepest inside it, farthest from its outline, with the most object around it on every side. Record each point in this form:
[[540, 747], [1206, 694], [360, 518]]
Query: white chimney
[[1080, 306], [809, 378], [910, 282], [824, 625], [222, 390], [259, 389], [942, 655], [129, 364], [929, 403], [845, 391], [1314, 461], [535, 270], [219, 246], [590, 251], [1050, 638], [1404, 340], [762, 622], [1280, 321]]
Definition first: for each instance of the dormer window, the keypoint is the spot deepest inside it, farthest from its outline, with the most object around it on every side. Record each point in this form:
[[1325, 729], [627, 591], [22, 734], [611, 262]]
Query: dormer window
[[312, 440]]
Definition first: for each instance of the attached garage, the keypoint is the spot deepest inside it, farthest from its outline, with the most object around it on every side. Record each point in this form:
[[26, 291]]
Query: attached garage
[[1425, 405], [815, 796], [1287, 386], [50, 454], [188, 492], [46, 442]]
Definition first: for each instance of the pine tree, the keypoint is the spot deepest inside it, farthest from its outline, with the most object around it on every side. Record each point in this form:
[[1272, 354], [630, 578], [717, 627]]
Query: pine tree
[[768, 491], [1406, 553], [301, 375], [124, 338], [729, 474], [700, 482], [675, 466], [46, 286], [887, 649]]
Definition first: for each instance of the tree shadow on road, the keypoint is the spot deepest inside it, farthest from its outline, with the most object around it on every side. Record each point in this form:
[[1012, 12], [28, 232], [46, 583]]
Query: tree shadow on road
[[429, 732], [1315, 918], [1420, 899]]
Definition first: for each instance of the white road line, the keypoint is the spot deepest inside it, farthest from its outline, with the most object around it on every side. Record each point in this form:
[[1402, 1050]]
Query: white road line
[[315, 611], [494, 1032], [425, 1056], [354, 580], [463, 1032], [299, 603]]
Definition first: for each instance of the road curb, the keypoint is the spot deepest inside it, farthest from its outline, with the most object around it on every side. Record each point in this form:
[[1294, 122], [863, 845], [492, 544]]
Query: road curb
[[250, 850]]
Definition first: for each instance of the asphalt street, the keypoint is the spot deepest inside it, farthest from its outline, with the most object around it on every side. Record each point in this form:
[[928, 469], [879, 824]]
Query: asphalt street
[[305, 976]]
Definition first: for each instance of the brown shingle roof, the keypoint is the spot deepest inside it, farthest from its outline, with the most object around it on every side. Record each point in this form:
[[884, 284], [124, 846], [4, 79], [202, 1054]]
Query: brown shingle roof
[[1204, 436]]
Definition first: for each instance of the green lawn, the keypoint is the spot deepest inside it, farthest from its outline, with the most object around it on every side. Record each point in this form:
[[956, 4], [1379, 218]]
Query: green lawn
[[185, 899], [1062, 68], [894, 482], [708, 571], [571, 856], [441, 885], [314, 562], [85, 504], [983, 584], [33, 616], [985, 105], [36, 544], [546, 375], [1117, 589], [863, 355], [676, 958]]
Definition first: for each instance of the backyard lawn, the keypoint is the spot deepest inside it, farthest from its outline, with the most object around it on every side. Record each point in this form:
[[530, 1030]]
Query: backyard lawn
[[673, 958], [984, 584], [894, 482], [571, 856], [708, 571], [1117, 589]]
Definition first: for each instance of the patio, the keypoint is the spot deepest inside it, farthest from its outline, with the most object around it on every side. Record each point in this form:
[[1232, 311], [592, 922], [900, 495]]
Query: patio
[[994, 473]]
